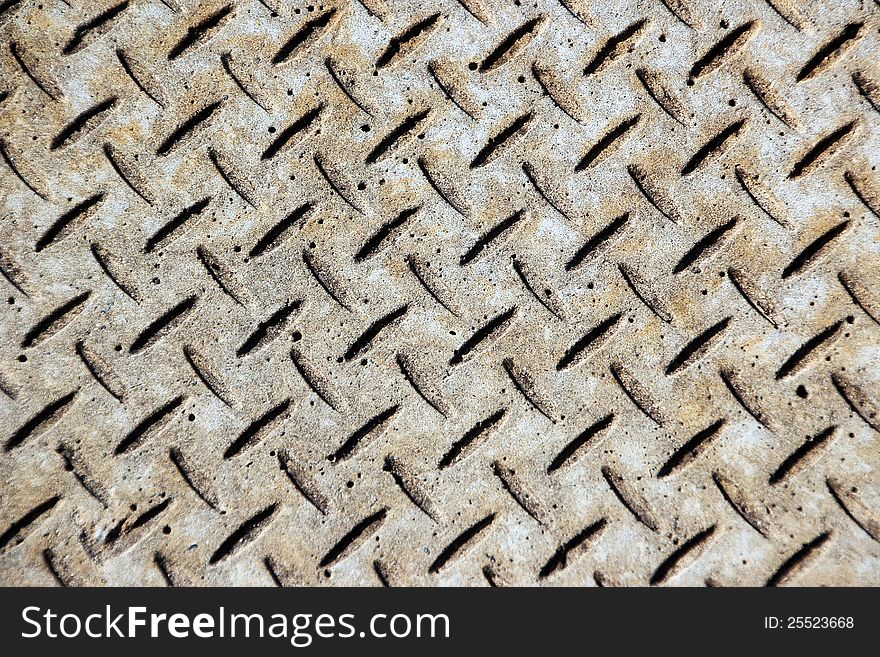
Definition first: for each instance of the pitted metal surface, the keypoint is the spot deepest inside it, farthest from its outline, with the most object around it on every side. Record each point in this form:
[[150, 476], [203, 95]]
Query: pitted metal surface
[[440, 293]]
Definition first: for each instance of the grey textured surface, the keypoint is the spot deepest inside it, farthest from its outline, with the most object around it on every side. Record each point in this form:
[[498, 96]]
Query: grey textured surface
[[535, 293]]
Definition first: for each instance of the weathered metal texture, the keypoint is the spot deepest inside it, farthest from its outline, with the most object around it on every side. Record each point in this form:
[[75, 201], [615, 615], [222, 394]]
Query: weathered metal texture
[[440, 293]]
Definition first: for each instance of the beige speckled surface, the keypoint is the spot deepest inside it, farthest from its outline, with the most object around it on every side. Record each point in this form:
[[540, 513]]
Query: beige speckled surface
[[369, 354]]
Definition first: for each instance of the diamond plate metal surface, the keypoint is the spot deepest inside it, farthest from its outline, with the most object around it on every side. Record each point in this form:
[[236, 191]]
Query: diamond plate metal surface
[[445, 293]]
